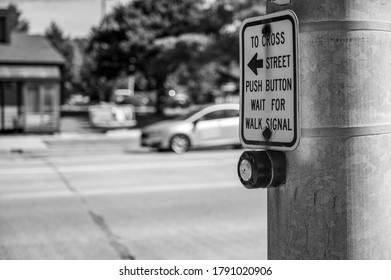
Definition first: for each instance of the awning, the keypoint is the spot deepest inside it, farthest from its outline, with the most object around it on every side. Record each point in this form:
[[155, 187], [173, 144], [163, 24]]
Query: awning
[[29, 72]]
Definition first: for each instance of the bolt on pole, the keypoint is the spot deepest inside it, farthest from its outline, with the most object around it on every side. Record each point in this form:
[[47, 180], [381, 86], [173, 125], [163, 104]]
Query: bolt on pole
[[336, 201]]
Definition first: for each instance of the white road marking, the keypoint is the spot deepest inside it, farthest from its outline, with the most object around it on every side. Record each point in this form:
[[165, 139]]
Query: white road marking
[[82, 159], [122, 190], [116, 167]]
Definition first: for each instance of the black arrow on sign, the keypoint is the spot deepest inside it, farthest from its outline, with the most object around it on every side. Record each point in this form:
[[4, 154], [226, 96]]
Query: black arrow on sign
[[254, 64]]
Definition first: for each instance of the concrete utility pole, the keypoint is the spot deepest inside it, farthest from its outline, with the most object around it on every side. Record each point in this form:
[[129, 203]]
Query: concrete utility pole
[[336, 203]]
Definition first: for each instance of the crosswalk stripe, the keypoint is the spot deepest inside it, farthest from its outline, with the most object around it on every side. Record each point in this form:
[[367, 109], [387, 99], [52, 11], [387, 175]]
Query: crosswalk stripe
[[121, 190], [115, 167]]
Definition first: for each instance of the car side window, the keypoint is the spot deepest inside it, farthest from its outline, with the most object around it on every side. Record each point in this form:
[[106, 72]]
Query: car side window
[[231, 113], [213, 115]]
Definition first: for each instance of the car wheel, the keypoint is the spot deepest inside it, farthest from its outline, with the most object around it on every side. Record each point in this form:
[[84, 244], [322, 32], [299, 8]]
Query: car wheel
[[180, 143]]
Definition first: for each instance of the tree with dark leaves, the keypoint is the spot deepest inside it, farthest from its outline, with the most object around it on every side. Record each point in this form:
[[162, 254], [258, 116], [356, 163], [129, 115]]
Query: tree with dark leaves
[[64, 46], [168, 43], [17, 24]]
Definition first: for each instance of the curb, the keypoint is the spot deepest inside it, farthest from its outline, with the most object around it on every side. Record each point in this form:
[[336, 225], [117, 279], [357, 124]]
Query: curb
[[112, 140]]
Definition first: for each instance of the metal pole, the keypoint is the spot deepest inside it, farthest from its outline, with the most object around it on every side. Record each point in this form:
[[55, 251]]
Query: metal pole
[[336, 203]]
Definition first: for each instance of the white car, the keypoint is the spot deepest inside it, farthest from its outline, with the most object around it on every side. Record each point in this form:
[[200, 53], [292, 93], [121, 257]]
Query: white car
[[109, 116], [215, 125]]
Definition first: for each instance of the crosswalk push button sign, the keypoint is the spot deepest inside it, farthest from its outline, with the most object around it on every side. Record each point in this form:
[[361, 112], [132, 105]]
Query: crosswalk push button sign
[[268, 82]]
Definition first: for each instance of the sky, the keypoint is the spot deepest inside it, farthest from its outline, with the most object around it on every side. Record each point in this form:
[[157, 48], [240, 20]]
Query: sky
[[75, 17]]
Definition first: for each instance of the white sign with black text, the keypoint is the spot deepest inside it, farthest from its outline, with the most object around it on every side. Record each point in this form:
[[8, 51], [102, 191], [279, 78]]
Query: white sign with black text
[[268, 82]]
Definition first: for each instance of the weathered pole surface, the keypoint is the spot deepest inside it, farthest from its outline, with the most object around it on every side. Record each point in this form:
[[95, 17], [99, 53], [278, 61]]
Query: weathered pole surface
[[336, 203]]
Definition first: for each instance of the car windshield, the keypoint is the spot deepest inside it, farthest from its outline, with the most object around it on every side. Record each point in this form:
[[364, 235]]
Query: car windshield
[[188, 114]]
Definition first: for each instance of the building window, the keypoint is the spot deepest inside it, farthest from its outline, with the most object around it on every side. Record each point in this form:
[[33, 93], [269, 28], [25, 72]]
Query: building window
[[3, 29], [41, 106], [10, 107]]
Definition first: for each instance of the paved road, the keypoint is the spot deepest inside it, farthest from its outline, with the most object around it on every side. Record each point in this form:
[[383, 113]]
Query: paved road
[[133, 205]]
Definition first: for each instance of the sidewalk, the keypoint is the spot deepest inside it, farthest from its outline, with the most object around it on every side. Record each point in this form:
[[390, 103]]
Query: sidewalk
[[77, 136], [21, 143], [116, 139]]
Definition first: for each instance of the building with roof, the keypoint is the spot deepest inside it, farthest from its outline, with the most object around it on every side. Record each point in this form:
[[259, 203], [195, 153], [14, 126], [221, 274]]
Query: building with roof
[[30, 82]]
